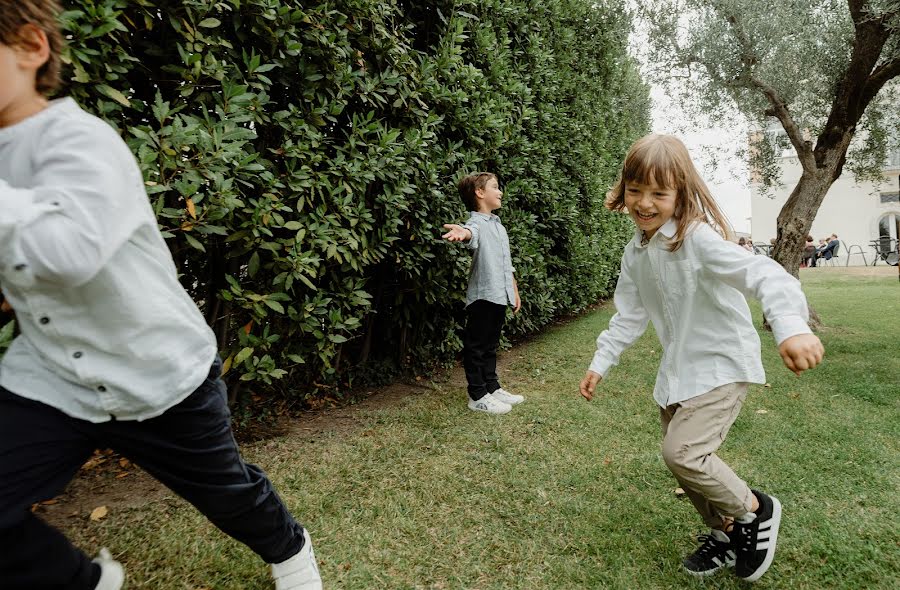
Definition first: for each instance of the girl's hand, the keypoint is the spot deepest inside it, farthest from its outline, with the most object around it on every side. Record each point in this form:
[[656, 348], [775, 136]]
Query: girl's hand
[[457, 233], [518, 302], [588, 384], [801, 352]]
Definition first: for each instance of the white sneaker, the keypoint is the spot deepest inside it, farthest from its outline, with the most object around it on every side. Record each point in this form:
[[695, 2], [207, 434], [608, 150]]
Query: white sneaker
[[490, 405], [300, 572], [112, 574], [507, 397]]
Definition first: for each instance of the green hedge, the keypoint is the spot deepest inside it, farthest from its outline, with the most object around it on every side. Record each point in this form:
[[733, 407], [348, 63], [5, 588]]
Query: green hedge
[[302, 156]]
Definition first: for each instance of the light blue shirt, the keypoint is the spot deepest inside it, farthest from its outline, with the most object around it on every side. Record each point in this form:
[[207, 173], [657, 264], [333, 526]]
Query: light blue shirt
[[106, 328], [491, 277]]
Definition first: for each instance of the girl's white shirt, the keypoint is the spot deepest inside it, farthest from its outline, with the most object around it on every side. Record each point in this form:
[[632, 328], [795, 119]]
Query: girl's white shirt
[[695, 298]]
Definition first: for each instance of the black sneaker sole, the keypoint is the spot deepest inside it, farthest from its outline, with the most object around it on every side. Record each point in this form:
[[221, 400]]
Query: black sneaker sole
[[705, 573], [773, 537]]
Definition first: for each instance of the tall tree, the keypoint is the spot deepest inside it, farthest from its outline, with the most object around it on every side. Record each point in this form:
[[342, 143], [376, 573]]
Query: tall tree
[[822, 68]]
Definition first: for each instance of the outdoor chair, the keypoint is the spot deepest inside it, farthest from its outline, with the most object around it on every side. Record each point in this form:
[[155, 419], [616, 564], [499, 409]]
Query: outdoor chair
[[834, 254], [850, 252], [886, 250]]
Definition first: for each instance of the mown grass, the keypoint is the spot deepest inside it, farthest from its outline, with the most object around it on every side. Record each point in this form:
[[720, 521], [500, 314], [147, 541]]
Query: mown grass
[[566, 494]]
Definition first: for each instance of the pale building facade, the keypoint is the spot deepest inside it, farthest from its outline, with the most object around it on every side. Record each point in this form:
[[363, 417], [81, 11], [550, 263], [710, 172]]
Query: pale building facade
[[858, 212]]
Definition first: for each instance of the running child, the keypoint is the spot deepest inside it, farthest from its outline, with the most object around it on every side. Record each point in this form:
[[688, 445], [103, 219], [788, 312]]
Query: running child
[[113, 353], [680, 273]]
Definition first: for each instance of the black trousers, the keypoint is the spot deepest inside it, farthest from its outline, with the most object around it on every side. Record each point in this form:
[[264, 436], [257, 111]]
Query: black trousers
[[484, 322], [190, 448]]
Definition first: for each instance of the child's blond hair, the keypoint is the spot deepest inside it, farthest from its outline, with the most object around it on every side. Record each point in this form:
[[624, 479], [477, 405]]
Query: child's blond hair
[[664, 160], [15, 14]]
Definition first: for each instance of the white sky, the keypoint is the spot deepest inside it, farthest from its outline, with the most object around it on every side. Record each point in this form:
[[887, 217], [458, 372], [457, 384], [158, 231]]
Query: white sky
[[728, 180]]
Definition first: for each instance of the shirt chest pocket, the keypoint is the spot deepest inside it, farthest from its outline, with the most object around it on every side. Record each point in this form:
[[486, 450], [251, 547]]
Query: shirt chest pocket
[[679, 278]]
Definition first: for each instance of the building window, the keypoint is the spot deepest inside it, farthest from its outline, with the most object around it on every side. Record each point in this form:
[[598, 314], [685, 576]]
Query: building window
[[890, 197], [889, 227]]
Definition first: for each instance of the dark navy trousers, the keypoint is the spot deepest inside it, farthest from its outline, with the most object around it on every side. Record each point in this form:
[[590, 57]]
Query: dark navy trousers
[[190, 448], [484, 324]]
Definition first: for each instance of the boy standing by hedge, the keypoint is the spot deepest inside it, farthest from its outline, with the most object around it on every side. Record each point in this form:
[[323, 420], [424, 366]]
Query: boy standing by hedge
[[492, 287], [112, 351]]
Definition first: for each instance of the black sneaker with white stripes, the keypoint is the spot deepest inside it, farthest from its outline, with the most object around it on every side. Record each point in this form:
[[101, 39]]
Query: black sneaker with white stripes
[[754, 538], [714, 553]]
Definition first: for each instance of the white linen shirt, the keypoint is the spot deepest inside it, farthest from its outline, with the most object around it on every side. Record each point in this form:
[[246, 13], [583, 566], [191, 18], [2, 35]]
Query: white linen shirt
[[695, 299], [491, 276], [107, 331]]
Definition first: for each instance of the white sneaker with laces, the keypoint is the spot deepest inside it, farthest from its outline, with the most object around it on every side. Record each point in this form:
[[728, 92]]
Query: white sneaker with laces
[[112, 574], [507, 397], [489, 405], [300, 572]]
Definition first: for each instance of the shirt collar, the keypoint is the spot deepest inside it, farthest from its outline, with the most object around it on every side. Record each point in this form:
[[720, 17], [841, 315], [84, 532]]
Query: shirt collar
[[667, 229], [8, 134], [484, 215]]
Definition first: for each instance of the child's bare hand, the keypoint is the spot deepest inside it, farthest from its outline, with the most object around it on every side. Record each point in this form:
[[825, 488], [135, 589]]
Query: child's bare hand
[[5, 307], [456, 233], [801, 352], [518, 303], [588, 384]]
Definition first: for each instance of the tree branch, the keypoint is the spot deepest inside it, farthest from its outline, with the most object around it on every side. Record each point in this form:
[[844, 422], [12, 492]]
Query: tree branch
[[780, 111], [861, 80], [779, 107], [857, 10], [879, 78]]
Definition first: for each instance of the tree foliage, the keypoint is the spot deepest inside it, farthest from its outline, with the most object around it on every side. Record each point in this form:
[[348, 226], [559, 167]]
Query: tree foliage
[[302, 156], [821, 68]]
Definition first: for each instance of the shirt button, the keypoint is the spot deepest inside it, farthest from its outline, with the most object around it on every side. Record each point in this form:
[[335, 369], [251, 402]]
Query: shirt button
[[78, 354], [101, 388], [44, 320]]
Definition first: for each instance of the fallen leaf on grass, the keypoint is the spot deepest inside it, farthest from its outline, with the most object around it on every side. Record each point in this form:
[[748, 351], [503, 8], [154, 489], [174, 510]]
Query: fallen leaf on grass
[[762, 411], [99, 513], [123, 474], [679, 491], [767, 385]]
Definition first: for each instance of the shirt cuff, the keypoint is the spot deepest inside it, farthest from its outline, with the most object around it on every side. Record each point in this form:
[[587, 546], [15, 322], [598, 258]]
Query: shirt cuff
[[601, 364], [787, 326]]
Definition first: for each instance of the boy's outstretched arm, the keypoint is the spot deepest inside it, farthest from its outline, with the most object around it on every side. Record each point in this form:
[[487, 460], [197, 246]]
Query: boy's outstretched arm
[[456, 233], [801, 352]]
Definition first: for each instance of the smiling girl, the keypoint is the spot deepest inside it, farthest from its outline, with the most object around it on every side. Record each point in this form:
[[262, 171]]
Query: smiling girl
[[681, 273]]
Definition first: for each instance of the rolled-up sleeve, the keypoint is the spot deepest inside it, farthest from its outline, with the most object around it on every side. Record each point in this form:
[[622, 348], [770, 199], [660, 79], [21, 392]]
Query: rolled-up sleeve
[[472, 226]]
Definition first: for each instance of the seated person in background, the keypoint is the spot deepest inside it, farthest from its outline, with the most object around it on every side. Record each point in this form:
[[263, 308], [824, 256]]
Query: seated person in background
[[743, 243], [831, 248], [809, 253]]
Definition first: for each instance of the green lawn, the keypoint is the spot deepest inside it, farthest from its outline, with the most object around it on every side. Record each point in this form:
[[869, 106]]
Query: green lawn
[[562, 493]]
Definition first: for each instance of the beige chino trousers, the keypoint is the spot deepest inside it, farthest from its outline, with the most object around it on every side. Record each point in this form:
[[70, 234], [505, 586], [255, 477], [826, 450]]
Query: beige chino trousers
[[693, 430]]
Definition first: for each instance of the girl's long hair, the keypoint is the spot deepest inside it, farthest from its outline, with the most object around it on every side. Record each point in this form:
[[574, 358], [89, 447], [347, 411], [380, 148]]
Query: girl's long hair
[[664, 161]]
